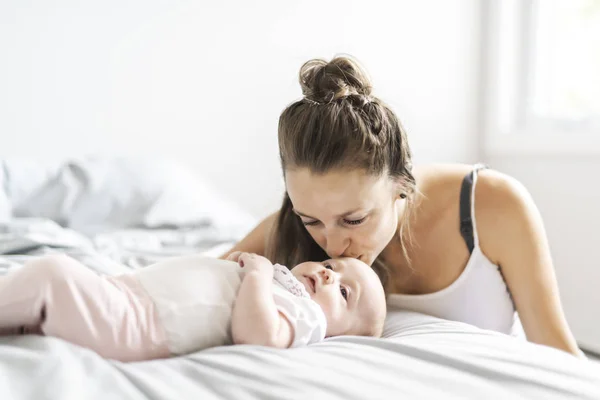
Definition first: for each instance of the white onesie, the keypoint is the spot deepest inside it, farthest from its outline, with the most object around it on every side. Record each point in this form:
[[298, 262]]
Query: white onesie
[[194, 296]]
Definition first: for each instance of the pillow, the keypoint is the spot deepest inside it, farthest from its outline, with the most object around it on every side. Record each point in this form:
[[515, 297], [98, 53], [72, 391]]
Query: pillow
[[5, 206], [100, 194]]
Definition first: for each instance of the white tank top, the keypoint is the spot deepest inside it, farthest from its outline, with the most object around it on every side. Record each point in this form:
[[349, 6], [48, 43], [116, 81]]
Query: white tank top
[[479, 296]]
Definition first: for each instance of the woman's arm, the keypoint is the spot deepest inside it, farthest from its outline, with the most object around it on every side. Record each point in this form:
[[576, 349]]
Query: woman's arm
[[512, 235], [256, 241], [255, 318]]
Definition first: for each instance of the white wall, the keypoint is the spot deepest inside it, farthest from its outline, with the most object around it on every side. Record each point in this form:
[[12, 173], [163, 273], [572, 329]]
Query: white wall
[[556, 163], [565, 191], [204, 82]]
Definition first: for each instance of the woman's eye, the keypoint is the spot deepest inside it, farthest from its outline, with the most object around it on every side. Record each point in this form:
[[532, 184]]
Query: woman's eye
[[310, 223], [344, 292], [355, 221]]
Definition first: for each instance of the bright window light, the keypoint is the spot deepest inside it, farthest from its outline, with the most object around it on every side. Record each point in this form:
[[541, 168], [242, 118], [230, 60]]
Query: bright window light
[[564, 67]]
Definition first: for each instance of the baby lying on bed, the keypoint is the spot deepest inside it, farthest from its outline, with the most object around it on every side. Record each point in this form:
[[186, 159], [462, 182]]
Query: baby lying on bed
[[185, 304]]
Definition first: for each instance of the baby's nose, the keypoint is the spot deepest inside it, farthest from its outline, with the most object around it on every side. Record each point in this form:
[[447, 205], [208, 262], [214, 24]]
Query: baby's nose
[[335, 245], [326, 275]]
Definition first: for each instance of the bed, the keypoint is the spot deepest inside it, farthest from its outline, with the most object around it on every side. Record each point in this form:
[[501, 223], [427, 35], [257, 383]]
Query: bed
[[111, 216]]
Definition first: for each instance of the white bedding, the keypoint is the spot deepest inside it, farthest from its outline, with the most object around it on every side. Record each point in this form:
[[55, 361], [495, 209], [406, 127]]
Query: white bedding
[[112, 212], [420, 357], [102, 194]]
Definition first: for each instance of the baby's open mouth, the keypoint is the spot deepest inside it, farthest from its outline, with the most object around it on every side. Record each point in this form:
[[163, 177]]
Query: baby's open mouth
[[311, 283]]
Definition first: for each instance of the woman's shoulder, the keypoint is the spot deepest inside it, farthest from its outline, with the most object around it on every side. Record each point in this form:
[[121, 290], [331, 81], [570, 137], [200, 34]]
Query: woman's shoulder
[[434, 175], [438, 185], [497, 195], [503, 206], [435, 178]]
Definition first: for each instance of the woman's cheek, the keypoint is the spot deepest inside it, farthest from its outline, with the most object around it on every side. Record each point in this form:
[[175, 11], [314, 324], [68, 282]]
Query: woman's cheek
[[384, 231], [317, 236]]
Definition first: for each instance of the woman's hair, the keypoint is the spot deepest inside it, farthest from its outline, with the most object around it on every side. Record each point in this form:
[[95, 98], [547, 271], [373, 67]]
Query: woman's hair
[[337, 125]]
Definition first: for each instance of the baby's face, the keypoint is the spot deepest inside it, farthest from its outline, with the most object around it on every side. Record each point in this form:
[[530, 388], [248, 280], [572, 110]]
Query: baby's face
[[348, 291]]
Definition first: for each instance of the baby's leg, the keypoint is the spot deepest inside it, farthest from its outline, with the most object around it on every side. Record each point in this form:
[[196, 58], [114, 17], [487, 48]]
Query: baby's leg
[[67, 300], [25, 294]]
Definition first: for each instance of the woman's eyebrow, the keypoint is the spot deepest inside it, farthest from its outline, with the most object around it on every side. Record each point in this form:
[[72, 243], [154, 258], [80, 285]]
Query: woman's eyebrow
[[339, 216], [302, 214]]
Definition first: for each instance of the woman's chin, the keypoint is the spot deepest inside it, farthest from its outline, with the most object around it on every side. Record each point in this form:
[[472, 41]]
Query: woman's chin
[[367, 259]]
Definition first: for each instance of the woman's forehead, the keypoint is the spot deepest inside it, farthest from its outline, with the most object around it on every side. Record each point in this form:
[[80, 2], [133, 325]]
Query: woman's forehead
[[333, 191]]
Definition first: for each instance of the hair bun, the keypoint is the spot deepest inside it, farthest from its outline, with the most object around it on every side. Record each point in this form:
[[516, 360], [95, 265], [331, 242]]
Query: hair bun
[[323, 81]]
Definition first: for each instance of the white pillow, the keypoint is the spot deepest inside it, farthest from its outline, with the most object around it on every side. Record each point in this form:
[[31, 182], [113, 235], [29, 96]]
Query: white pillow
[[5, 206], [100, 194]]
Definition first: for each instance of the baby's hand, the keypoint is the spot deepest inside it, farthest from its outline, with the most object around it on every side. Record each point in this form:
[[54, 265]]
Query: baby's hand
[[253, 262], [234, 256]]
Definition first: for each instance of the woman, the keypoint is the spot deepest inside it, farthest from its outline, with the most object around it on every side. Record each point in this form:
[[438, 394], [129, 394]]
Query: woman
[[458, 242]]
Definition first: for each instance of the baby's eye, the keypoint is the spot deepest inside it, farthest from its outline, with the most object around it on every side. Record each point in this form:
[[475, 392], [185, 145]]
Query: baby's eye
[[328, 266], [344, 292]]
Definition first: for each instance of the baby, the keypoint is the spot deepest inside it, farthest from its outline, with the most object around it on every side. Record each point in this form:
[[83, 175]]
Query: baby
[[189, 303]]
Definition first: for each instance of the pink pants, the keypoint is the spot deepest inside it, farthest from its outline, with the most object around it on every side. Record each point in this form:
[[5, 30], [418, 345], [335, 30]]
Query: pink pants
[[58, 296]]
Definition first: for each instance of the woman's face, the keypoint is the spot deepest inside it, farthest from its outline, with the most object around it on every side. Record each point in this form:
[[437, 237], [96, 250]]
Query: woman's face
[[348, 213]]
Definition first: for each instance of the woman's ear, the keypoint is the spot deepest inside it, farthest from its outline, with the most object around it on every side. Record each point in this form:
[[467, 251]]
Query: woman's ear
[[399, 188]]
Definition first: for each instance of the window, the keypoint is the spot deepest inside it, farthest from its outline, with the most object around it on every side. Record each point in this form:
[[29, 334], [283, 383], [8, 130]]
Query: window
[[566, 61], [542, 76]]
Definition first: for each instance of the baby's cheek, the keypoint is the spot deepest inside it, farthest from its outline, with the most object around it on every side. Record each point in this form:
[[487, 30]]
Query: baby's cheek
[[326, 307], [337, 311]]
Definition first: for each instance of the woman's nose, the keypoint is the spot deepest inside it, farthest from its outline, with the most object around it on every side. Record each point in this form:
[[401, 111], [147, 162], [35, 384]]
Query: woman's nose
[[336, 246]]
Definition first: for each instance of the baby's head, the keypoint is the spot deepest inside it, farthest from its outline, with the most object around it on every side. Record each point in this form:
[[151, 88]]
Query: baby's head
[[349, 292]]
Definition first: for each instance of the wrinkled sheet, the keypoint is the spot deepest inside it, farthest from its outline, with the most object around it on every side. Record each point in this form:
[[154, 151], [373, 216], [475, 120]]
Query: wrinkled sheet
[[109, 253], [420, 357], [423, 358]]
